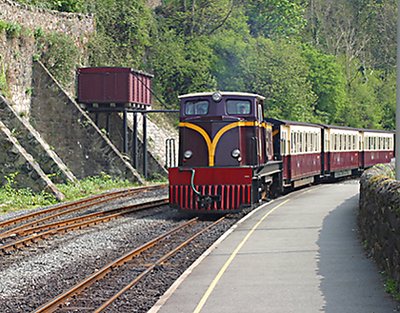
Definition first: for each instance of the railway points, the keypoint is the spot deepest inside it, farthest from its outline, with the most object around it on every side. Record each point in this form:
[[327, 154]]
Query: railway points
[[299, 253]]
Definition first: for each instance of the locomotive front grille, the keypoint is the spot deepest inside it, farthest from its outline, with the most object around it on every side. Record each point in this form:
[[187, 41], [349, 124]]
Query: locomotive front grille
[[220, 198]]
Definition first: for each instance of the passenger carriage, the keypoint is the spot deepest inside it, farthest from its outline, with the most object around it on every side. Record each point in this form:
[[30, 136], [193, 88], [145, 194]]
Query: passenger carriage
[[378, 147], [298, 145], [342, 151]]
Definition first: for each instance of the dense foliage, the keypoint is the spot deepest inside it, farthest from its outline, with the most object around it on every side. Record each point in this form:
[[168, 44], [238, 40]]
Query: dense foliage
[[314, 60]]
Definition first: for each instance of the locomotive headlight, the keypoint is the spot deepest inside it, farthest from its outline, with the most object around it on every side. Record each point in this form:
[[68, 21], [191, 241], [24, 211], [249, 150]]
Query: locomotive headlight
[[235, 153], [188, 154], [217, 96]]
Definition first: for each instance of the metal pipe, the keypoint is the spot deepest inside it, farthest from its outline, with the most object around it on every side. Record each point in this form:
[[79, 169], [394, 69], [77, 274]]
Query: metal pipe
[[192, 183], [144, 145], [135, 141], [125, 132]]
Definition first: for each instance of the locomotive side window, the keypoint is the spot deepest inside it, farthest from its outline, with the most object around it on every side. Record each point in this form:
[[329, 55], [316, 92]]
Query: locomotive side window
[[260, 112], [196, 107], [238, 107]]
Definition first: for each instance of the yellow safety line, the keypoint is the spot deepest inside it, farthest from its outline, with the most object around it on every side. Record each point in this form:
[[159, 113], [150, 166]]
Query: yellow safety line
[[229, 261]]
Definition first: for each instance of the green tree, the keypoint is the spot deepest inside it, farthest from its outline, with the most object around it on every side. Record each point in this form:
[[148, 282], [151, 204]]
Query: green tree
[[277, 70], [181, 66], [275, 18], [328, 84], [363, 108], [230, 46], [123, 33], [195, 17]]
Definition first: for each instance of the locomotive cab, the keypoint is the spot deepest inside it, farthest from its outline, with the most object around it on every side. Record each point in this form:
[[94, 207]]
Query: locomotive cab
[[222, 129], [224, 148]]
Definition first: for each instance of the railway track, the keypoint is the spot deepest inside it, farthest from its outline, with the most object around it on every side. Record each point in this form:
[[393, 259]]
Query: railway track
[[32, 227], [101, 289]]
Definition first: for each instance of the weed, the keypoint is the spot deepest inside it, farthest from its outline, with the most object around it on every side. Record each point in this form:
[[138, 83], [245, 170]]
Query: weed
[[392, 287], [12, 198], [38, 33], [13, 30], [3, 26]]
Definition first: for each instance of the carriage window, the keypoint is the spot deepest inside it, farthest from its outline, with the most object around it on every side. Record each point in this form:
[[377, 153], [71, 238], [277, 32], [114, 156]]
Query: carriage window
[[334, 142], [301, 149], [235, 107], [291, 143], [348, 146], [305, 142], [196, 107]]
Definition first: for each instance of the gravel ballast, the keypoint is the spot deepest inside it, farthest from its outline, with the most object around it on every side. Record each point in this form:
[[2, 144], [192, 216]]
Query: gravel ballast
[[32, 276]]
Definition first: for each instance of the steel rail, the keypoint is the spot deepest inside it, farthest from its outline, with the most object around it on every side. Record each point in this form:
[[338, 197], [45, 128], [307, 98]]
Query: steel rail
[[74, 220], [79, 225], [76, 206], [52, 305], [152, 266]]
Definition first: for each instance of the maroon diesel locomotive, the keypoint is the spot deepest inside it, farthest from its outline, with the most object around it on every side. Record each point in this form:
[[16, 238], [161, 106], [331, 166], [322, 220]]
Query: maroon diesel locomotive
[[231, 157], [225, 153]]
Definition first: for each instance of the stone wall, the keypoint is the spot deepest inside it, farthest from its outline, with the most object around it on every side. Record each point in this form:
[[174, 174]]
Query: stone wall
[[21, 167], [379, 218], [78, 26], [16, 65], [71, 133], [16, 54], [33, 143]]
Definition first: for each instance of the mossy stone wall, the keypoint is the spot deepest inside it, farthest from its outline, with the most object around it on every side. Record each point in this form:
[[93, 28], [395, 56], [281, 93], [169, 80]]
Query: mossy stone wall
[[379, 218]]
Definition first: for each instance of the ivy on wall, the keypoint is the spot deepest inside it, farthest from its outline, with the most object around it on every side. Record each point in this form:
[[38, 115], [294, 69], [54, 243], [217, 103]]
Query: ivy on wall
[[4, 90], [59, 54]]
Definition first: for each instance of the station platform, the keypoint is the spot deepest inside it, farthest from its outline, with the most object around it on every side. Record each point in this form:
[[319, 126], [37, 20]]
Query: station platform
[[299, 253]]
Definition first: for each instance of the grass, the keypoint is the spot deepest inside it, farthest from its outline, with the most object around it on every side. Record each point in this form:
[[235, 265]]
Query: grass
[[13, 199]]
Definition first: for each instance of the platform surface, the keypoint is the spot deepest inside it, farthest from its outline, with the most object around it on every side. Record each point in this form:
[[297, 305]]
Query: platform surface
[[298, 254]]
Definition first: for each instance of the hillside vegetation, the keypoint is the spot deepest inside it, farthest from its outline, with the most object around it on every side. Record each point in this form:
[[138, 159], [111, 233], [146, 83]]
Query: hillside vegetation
[[314, 60]]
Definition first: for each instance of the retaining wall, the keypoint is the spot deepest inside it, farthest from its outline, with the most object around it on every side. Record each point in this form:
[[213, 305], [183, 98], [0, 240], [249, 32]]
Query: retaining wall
[[71, 133], [77, 26], [21, 167], [16, 53], [33, 143], [379, 218]]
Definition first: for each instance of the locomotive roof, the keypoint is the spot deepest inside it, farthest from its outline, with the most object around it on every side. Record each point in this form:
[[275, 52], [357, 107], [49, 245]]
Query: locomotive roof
[[223, 93]]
